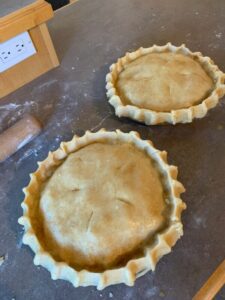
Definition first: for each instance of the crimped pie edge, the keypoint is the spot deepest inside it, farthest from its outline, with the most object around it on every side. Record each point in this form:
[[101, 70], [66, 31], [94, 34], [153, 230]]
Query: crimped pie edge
[[150, 117], [135, 267]]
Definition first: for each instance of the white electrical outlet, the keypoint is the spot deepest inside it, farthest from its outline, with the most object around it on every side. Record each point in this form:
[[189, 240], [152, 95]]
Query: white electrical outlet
[[15, 50]]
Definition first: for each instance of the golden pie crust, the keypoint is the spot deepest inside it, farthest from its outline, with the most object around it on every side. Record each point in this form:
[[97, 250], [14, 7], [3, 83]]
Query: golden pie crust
[[164, 84], [102, 209]]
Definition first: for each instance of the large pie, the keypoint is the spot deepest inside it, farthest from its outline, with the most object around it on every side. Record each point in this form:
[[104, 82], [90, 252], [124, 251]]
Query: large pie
[[164, 84], [102, 209]]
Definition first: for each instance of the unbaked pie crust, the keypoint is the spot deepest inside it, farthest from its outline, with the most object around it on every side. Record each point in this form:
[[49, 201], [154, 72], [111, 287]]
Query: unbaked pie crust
[[164, 84], [102, 209]]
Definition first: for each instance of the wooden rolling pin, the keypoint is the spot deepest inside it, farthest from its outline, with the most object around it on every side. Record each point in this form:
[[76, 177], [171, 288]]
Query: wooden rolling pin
[[212, 286], [18, 135]]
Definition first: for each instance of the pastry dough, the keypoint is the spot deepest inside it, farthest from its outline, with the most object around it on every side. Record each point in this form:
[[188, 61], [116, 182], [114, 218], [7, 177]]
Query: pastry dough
[[165, 84], [97, 190], [102, 209]]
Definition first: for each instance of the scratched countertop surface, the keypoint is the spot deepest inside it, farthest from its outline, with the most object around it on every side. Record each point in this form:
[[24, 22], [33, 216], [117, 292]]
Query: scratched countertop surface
[[88, 36]]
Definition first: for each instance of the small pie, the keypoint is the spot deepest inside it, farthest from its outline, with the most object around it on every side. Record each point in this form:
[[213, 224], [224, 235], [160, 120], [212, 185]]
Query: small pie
[[164, 84], [102, 209]]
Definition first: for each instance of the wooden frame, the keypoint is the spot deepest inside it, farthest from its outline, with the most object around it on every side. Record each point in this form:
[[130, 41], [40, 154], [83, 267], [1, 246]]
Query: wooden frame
[[31, 18]]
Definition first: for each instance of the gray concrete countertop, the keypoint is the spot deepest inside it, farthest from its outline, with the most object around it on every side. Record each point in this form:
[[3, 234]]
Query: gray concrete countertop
[[9, 6], [88, 37]]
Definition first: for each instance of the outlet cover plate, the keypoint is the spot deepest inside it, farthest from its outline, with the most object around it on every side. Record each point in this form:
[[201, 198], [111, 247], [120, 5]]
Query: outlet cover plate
[[15, 50]]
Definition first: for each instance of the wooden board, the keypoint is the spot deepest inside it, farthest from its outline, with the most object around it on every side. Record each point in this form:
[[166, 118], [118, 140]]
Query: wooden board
[[24, 19], [44, 60], [31, 19]]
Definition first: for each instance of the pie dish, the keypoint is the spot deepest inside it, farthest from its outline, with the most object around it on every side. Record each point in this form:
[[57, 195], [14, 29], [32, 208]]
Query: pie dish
[[164, 84], [102, 209]]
